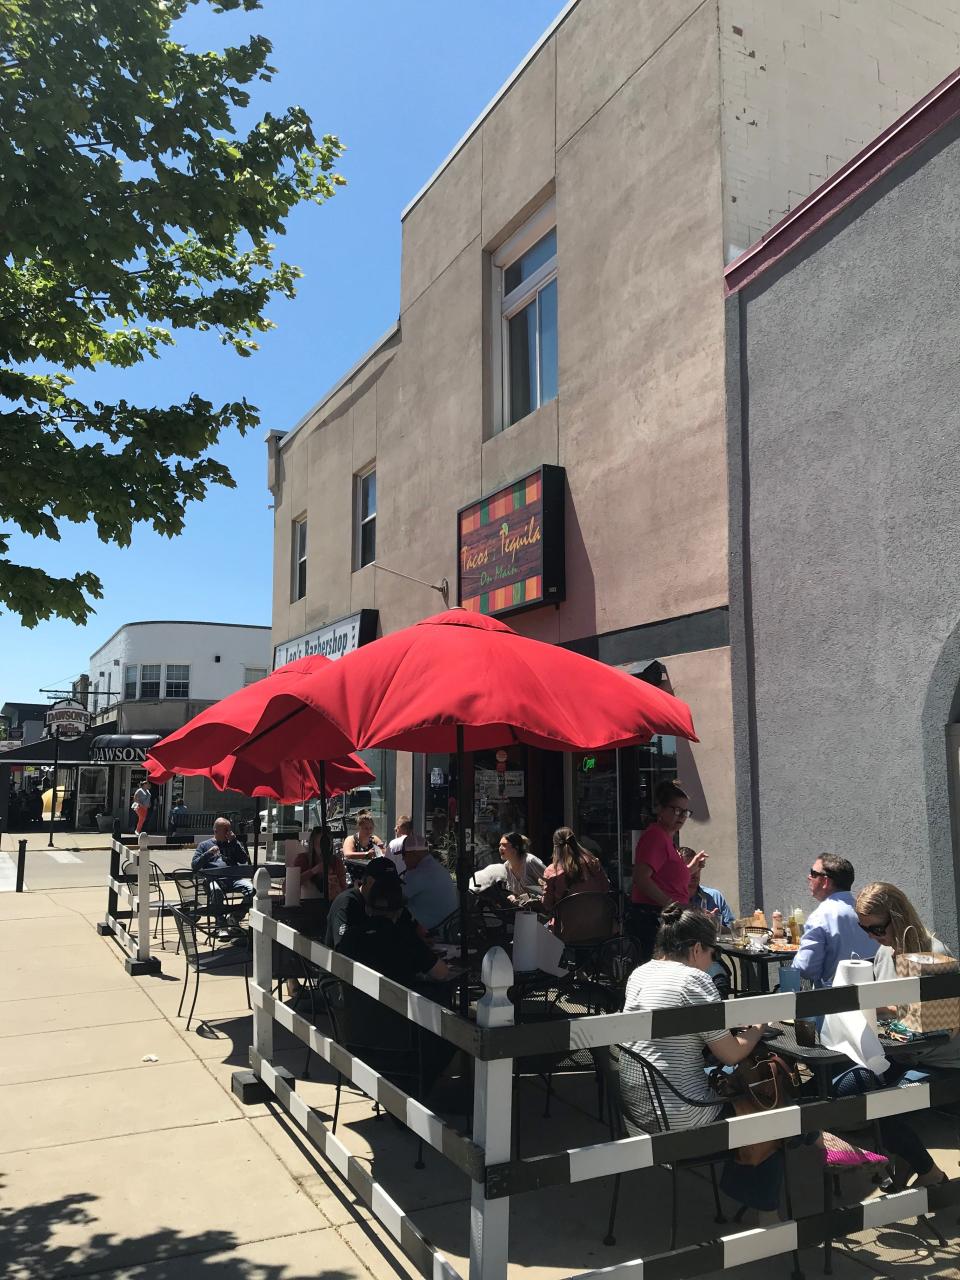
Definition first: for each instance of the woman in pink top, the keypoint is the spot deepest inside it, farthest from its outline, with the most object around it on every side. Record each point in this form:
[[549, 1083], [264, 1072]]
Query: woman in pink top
[[573, 870], [660, 875]]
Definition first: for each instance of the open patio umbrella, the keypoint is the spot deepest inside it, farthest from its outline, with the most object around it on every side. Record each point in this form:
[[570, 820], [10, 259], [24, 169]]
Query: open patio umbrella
[[458, 682], [194, 750]]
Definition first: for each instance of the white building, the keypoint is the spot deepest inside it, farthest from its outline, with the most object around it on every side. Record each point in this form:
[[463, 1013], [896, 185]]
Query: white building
[[148, 679]]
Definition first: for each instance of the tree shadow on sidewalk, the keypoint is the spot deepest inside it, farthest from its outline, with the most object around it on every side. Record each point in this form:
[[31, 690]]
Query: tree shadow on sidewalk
[[48, 1240]]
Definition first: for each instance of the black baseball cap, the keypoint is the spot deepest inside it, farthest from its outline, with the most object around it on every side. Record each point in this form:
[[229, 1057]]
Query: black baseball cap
[[379, 869], [385, 895]]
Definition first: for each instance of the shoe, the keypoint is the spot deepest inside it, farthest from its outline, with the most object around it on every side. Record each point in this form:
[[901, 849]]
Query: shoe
[[935, 1178]]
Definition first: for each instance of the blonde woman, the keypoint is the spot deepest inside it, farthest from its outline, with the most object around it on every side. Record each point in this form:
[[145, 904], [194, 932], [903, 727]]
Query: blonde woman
[[888, 916], [366, 843]]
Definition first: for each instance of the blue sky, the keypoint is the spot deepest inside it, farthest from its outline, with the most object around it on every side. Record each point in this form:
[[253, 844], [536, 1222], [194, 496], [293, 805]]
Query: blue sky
[[399, 83]]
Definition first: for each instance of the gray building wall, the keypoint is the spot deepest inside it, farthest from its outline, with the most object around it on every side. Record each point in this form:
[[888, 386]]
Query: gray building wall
[[844, 383]]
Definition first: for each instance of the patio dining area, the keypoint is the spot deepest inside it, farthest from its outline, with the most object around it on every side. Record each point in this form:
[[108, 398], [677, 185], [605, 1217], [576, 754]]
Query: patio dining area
[[125, 1151]]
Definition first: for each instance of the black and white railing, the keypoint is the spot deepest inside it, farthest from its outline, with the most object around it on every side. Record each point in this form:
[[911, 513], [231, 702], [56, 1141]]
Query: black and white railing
[[129, 907], [495, 1040]]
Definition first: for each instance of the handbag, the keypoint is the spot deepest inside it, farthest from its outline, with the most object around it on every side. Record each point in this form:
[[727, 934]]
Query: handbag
[[927, 1015], [763, 1081]]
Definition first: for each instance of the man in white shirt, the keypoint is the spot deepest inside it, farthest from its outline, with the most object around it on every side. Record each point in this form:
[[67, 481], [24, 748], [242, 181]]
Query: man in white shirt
[[394, 852], [428, 887]]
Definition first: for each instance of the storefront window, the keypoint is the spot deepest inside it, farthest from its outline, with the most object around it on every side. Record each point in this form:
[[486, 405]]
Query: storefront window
[[377, 799], [499, 799], [595, 796]]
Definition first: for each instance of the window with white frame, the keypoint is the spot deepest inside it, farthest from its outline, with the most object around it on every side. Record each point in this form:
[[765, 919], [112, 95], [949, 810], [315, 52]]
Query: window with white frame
[[299, 558], [130, 682], [178, 680], [252, 674], [365, 518], [150, 680], [526, 285]]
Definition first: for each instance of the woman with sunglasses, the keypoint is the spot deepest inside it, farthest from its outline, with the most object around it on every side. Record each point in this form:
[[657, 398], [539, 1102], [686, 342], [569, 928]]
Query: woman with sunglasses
[[660, 875], [887, 915]]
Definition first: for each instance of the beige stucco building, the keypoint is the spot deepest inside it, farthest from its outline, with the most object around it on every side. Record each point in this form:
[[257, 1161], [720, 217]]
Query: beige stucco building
[[562, 304]]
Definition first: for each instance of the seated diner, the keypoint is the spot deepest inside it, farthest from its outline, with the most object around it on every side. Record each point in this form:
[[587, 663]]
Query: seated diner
[[428, 887], [519, 871], [310, 863], [365, 843], [572, 870]]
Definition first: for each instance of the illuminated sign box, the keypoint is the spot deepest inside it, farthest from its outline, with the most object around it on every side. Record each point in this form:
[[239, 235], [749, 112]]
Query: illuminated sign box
[[510, 553]]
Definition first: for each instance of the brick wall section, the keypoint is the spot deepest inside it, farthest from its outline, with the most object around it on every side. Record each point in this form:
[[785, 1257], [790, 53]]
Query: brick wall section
[[808, 83]]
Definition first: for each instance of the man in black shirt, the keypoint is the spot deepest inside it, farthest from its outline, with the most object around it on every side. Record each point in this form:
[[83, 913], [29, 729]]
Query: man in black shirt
[[387, 939], [348, 909]]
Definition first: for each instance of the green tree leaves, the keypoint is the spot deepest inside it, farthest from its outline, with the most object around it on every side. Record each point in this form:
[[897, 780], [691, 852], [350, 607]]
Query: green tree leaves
[[131, 206]]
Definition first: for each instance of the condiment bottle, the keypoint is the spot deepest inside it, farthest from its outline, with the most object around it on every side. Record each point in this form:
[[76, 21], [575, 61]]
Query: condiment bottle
[[777, 924]]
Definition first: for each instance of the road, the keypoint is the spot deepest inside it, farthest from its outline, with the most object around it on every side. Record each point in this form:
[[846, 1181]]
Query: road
[[63, 868]]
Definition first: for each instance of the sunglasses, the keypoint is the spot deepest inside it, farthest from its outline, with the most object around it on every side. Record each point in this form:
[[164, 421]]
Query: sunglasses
[[815, 875], [876, 930]]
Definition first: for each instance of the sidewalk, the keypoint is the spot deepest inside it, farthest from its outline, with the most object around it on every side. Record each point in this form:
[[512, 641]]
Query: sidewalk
[[113, 1166], [71, 841]]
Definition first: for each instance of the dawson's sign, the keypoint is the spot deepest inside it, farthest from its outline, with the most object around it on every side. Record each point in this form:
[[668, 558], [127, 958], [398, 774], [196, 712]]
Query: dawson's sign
[[510, 552]]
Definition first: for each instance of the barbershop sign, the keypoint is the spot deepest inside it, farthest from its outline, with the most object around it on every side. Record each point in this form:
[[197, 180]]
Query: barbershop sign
[[332, 641], [510, 552]]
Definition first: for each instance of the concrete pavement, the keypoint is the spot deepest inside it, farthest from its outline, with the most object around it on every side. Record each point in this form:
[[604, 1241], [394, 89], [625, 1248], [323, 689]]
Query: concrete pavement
[[121, 1167]]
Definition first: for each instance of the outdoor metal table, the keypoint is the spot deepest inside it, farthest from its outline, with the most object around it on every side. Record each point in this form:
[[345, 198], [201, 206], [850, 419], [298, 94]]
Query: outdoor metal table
[[756, 965], [825, 1063]]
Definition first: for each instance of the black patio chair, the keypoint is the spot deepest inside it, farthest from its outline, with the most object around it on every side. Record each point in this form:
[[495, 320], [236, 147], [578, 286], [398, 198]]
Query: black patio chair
[[206, 962], [584, 923], [383, 1039], [654, 1087], [194, 904], [158, 905]]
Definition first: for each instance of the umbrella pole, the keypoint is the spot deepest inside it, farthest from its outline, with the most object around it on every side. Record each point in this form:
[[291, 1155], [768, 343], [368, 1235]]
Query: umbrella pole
[[256, 832], [462, 861], [324, 833], [619, 846]]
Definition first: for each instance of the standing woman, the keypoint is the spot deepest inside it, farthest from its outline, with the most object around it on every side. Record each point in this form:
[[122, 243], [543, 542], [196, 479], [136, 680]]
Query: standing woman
[[660, 875], [524, 870], [366, 843], [573, 870], [310, 863]]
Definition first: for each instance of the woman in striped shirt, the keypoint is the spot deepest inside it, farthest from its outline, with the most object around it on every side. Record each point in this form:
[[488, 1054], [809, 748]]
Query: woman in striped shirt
[[677, 977]]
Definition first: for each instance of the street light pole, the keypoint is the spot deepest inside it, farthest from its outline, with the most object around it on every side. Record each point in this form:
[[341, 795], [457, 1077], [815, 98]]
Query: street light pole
[[56, 767]]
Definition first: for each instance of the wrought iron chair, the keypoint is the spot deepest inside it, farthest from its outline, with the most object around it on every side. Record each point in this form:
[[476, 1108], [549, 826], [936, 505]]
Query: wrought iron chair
[[584, 923], [654, 1087], [158, 905], [206, 962], [193, 904], [381, 1038]]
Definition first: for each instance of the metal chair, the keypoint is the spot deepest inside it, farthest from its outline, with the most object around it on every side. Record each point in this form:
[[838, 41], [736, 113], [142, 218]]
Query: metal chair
[[206, 962], [197, 910], [365, 1029], [158, 904], [584, 922]]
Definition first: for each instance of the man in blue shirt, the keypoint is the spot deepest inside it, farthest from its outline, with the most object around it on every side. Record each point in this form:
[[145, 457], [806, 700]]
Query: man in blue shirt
[[427, 886], [224, 851], [702, 898], [832, 932]]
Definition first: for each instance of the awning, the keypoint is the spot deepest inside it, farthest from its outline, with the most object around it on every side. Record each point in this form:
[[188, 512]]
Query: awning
[[76, 751], [122, 748]]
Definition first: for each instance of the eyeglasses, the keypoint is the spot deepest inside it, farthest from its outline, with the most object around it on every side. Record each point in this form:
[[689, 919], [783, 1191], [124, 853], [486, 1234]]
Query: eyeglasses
[[681, 813], [876, 930]]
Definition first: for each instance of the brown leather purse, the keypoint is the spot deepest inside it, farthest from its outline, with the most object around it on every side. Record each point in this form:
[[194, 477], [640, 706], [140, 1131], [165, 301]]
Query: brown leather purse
[[763, 1081]]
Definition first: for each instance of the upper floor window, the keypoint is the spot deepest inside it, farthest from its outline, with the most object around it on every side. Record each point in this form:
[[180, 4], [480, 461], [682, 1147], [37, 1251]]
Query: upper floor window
[[300, 558], [130, 682], [526, 271], [252, 674], [150, 680], [178, 680], [365, 518]]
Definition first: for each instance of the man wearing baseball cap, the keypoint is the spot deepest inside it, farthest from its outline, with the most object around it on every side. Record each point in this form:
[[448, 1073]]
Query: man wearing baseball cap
[[427, 885], [349, 909]]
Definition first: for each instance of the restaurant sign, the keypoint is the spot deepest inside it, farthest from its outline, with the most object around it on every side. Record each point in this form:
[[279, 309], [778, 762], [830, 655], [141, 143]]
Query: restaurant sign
[[67, 720], [331, 641], [510, 553]]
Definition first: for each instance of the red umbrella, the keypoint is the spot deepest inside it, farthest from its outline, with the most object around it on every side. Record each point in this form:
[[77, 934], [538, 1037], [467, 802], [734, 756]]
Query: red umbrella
[[205, 742], [462, 681], [288, 781]]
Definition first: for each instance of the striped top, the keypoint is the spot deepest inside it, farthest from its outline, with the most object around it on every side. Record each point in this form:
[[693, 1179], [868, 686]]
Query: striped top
[[668, 984]]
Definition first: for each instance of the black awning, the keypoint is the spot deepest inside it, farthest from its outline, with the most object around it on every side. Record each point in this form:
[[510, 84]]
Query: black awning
[[76, 751], [122, 748]]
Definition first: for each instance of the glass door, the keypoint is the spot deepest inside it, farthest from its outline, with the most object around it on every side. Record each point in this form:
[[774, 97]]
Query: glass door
[[91, 796]]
